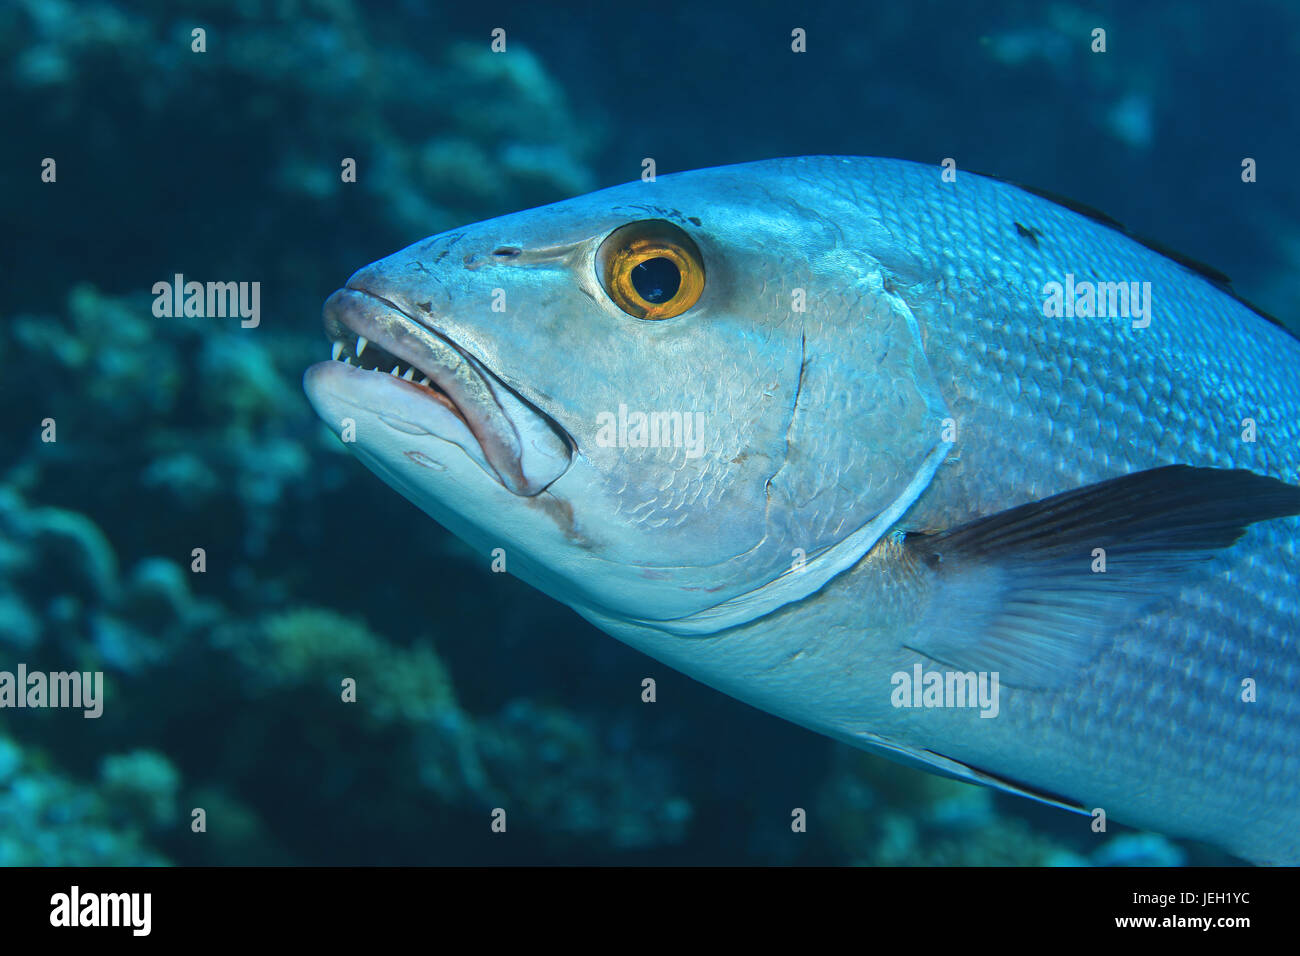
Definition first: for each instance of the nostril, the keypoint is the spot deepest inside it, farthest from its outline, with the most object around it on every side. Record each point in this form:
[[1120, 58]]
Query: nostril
[[476, 260]]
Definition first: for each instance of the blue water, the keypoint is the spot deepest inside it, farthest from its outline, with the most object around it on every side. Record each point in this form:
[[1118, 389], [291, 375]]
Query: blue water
[[170, 434]]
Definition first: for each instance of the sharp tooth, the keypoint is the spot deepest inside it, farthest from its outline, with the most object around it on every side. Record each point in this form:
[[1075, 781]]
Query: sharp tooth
[[409, 375], [338, 350], [347, 360], [394, 371], [424, 381], [362, 342]]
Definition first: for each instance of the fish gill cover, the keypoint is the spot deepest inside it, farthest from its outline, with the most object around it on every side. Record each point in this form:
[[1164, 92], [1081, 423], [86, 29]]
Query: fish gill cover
[[175, 518]]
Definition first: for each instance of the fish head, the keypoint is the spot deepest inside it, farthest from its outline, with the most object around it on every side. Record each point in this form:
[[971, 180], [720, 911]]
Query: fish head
[[665, 401]]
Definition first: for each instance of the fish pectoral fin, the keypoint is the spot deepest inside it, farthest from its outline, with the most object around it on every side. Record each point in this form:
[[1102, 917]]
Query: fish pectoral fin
[[948, 767], [1031, 592]]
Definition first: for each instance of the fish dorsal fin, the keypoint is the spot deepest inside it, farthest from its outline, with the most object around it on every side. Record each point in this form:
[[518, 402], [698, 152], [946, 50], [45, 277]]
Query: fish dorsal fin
[[1215, 277], [1032, 591], [957, 770]]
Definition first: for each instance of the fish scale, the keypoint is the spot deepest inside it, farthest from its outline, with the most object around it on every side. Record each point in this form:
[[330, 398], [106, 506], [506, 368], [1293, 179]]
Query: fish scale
[[1176, 393]]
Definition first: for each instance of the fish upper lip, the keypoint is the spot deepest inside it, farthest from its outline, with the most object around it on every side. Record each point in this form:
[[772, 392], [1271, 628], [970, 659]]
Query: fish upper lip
[[356, 316]]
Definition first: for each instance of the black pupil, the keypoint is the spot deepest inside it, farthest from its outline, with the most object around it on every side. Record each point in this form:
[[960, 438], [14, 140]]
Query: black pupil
[[656, 280]]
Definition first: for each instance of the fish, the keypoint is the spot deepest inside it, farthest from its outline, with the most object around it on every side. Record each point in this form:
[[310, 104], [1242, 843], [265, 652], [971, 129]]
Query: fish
[[921, 460]]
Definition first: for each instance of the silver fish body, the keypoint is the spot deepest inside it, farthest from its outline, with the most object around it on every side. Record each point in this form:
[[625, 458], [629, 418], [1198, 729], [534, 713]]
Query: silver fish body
[[871, 363]]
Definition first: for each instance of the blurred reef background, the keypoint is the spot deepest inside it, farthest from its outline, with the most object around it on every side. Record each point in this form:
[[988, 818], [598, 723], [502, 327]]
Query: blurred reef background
[[475, 691]]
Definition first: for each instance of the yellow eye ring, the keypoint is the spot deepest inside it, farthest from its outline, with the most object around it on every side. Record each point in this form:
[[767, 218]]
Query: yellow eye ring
[[651, 269]]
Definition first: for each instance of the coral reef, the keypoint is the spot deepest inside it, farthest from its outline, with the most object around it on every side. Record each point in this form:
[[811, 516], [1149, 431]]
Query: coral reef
[[51, 820]]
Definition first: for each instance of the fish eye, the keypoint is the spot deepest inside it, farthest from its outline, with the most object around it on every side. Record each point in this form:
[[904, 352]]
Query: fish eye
[[651, 269]]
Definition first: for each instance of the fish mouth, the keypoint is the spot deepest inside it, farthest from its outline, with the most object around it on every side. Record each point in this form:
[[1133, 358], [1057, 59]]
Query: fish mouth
[[376, 345]]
